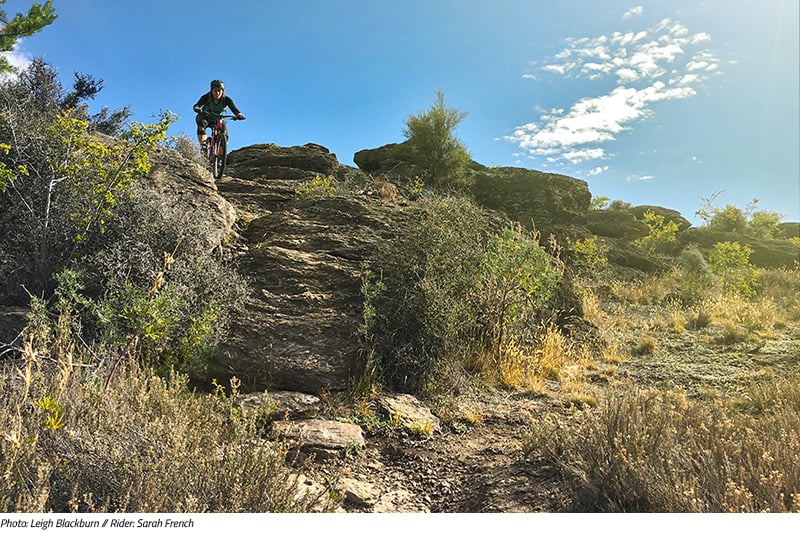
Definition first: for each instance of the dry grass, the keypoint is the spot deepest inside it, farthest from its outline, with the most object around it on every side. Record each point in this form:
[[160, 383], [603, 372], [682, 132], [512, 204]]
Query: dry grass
[[655, 451], [142, 444], [527, 368]]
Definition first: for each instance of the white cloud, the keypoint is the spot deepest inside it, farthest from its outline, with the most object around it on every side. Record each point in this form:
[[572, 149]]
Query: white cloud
[[659, 64], [17, 58], [633, 12], [640, 178], [598, 170]]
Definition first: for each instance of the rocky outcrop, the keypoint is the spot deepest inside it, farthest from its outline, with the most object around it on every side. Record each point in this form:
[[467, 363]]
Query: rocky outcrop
[[621, 223], [388, 159], [550, 203], [193, 187], [303, 260], [767, 253]]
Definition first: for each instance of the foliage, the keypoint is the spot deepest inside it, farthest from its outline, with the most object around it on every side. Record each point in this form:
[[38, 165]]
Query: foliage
[[430, 274], [62, 182], [650, 451], [598, 203], [588, 255], [435, 147], [696, 274], [20, 25], [749, 221], [662, 233], [317, 187], [70, 442], [456, 290], [731, 261], [155, 281], [518, 277]]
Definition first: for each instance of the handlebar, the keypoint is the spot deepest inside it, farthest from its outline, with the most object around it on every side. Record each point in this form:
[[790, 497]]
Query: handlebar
[[234, 117]]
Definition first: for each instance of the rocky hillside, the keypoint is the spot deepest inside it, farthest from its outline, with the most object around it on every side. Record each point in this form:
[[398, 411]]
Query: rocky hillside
[[303, 257]]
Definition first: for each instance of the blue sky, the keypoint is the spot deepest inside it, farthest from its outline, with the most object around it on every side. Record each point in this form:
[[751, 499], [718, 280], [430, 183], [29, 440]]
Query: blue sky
[[650, 102]]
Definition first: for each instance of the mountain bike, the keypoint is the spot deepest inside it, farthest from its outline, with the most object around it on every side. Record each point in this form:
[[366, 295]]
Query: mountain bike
[[218, 146]]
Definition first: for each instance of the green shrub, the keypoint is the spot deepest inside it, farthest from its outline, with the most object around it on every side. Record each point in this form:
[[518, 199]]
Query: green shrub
[[62, 181], [155, 280], [731, 262], [434, 146], [455, 285], [662, 233], [588, 255], [696, 275], [430, 274], [317, 187], [517, 278]]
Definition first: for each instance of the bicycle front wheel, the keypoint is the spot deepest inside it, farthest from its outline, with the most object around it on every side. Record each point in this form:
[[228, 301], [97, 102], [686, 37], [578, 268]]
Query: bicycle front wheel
[[220, 156]]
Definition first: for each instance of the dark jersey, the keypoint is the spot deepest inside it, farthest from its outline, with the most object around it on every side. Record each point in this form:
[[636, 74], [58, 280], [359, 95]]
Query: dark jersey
[[214, 110]]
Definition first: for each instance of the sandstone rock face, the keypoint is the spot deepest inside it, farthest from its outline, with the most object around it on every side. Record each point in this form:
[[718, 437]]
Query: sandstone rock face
[[768, 253], [620, 223], [193, 186], [303, 260], [533, 198]]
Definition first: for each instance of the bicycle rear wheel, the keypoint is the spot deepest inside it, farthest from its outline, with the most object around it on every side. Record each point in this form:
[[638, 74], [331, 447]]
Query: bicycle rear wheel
[[220, 156]]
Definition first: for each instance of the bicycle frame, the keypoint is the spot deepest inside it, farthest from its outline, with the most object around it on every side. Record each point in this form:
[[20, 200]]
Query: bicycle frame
[[218, 146]]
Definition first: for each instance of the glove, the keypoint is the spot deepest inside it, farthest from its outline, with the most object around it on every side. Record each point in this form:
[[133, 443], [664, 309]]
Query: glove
[[240, 117], [198, 109]]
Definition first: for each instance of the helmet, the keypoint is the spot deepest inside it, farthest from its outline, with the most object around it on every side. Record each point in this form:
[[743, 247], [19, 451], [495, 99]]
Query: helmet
[[217, 83]]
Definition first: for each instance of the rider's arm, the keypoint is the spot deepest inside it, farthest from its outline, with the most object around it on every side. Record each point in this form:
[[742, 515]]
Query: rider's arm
[[232, 106], [198, 107]]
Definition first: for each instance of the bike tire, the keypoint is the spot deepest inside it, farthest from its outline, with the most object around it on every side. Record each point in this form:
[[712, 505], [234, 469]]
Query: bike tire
[[220, 156]]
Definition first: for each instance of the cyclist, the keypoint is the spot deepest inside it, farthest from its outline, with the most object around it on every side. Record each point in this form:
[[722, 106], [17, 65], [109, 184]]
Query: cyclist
[[209, 108]]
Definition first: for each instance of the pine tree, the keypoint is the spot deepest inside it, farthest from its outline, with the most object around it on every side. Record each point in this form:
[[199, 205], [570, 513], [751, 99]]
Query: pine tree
[[21, 25], [434, 146]]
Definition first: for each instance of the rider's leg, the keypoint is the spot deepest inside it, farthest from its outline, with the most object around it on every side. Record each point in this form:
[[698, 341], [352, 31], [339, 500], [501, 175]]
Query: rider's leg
[[201, 129]]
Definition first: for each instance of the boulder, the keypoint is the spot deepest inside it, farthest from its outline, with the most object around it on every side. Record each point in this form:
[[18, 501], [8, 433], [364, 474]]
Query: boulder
[[410, 413], [621, 223], [192, 186], [324, 439], [303, 260], [767, 253], [670, 215], [388, 159], [269, 161], [535, 199]]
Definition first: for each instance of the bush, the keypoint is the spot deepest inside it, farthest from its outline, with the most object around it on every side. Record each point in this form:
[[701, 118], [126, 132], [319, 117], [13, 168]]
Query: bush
[[434, 146], [456, 290], [430, 274], [154, 280], [517, 278], [588, 255], [72, 441], [731, 261], [649, 451], [59, 181], [662, 234]]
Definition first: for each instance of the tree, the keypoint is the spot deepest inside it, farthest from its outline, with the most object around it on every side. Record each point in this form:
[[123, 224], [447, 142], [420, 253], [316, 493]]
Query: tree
[[22, 26], [59, 181], [434, 146]]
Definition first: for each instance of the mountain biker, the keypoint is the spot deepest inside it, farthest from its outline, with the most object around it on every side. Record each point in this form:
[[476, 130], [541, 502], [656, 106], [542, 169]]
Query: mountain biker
[[209, 108]]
